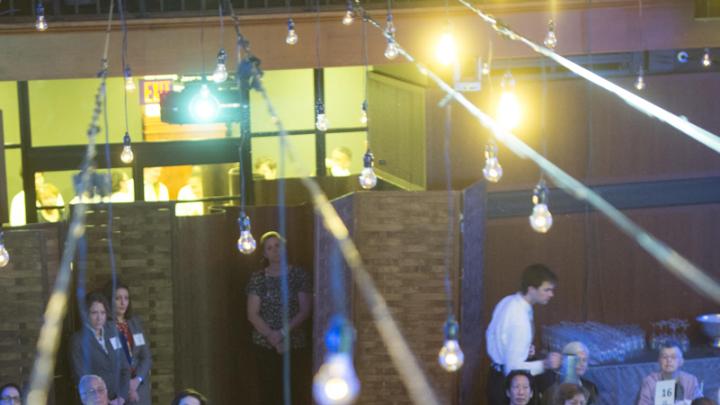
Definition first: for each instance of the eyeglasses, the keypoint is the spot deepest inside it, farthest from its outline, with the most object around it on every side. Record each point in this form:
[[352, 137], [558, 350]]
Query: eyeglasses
[[10, 399], [94, 391]]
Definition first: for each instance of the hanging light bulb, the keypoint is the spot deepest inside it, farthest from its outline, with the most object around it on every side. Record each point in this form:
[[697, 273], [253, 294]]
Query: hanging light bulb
[[640, 81], [451, 357], [291, 38], [541, 219], [246, 243], [508, 112], [391, 51], [40, 22], [485, 68], [363, 113], [349, 15], [368, 178], [550, 39], [220, 74], [4, 255], [492, 170], [129, 82], [203, 106], [446, 51], [706, 61], [126, 156], [321, 121], [336, 382]]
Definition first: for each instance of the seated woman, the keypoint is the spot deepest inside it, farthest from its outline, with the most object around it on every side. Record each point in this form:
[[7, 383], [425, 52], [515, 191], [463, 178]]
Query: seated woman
[[96, 349], [134, 343], [264, 311], [518, 387], [10, 394], [189, 396]]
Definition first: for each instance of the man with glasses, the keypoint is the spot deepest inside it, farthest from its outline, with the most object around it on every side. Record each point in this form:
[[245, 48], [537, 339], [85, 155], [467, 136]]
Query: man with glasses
[[93, 391], [552, 378]]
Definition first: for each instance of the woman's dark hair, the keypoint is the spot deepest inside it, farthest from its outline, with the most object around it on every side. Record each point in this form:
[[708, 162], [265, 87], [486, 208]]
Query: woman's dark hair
[[263, 239], [107, 290], [515, 373], [189, 392], [10, 385], [96, 296], [697, 401], [568, 391]]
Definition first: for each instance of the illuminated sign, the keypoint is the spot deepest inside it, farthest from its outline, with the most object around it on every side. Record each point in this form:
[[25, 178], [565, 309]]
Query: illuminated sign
[[153, 90]]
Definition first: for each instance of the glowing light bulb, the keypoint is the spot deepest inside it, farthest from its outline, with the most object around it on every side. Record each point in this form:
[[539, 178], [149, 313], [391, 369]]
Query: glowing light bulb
[[391, 51], [363, 113], [368, 178], [220, 74], [292, 37], [336, 382], [446, 51], [246, 243], [4, 255], [541, 219], [509, 112], [550, 39], [127, 156], [203, 106], [492, 170], [349, 15], [40, 22], [706, 61], [129, 82], [451, 357], [640, 81], [485, 68]]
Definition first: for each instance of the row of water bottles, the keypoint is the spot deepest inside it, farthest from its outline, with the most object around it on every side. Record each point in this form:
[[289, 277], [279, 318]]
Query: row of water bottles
[[606, 343]]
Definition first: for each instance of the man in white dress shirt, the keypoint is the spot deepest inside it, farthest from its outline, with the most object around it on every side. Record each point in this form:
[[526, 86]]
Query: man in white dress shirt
[[510, 334]]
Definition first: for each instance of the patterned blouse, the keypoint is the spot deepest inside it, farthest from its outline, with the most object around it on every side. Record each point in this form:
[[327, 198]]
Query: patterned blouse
[[268, 289]]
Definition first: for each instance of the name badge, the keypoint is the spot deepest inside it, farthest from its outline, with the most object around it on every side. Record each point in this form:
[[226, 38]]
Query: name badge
[[665, 392], [115, 343], [139, 339]]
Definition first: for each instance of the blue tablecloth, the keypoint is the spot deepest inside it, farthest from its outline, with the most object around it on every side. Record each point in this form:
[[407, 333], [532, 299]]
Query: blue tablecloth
[[619, 384]]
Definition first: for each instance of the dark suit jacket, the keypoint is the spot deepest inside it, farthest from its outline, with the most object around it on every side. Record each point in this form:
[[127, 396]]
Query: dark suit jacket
[[141, 360], [548, 393], [88, 357]]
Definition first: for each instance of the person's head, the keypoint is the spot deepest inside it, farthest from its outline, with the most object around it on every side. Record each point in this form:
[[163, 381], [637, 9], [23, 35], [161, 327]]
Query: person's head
[[339, 161], [266, 168], [39, 179], [196, 185], [670, 357], [538, 284], [703, 401], [122, 306], [10, 394], [97, 310], [579, 350], [189, 396], [270, 244], [48, 195], [518, 387], [570, 394], [152, 174], [93, 390], [119, 182]]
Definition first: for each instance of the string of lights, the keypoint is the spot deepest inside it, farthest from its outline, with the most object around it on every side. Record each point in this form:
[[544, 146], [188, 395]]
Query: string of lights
[[49, 339], [405, 362], [701, 135], [671, 260]]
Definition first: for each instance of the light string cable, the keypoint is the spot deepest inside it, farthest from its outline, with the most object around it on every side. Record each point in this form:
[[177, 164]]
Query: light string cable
[[405, 362], [678, 265], [701, 135], [450, 212], [49, 338]]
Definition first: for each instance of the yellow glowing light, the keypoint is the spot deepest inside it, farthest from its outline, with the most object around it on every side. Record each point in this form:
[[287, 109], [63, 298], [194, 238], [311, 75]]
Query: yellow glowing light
[[509, 112], [446, 51]]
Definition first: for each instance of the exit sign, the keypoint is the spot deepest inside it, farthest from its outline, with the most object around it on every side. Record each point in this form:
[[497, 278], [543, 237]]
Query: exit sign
[[151, 91]]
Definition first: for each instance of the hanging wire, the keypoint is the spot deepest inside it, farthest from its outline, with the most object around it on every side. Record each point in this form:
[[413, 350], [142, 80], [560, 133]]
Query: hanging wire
[[664, 254], [405, 362], [451, 212], [49, 338], [701, 135]]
